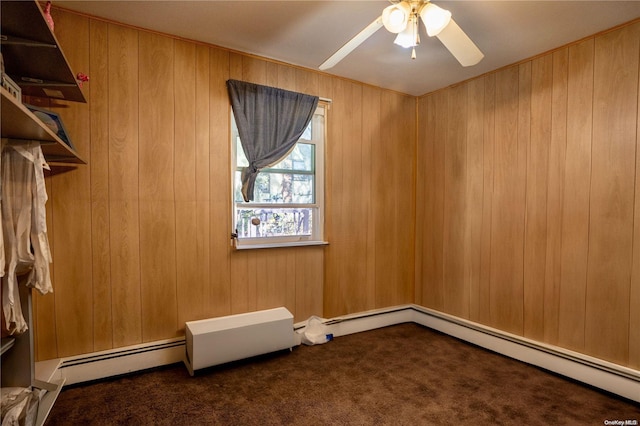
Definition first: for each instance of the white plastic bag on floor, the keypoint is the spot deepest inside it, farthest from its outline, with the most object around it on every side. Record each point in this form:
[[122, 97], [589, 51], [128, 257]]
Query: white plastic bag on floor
[[315, 332]]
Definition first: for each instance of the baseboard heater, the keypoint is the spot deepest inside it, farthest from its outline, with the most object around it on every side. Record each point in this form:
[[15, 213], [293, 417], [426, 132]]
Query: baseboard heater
[[220, 340]]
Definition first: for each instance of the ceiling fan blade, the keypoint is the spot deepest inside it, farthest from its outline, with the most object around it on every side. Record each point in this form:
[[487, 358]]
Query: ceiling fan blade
[[352, 44], [460, 45]]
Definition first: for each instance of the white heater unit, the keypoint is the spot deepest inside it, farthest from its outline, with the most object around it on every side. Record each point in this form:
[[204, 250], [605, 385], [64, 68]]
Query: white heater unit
[[219, 340]]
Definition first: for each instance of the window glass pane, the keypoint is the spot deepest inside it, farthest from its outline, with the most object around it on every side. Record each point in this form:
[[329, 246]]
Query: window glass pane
[[307, 132], [303, 189], [279, 188], [301, 158], [276, 222], [237, 190], [241, 159]]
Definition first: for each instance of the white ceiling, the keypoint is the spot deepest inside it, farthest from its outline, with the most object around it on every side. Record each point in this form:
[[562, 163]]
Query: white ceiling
[[305, 33]]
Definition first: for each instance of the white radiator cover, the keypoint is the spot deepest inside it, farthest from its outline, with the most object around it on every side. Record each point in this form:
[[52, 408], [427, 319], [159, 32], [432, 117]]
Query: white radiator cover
[[219, 340]]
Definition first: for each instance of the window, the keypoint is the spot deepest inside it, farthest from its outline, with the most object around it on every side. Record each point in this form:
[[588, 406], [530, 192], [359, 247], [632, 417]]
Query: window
[[288, 206]]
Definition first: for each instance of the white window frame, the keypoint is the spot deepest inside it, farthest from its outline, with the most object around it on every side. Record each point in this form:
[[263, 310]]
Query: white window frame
[[317, 235]]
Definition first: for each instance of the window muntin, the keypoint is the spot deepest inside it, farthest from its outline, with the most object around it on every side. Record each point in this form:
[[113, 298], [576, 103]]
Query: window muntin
[[288, 204]]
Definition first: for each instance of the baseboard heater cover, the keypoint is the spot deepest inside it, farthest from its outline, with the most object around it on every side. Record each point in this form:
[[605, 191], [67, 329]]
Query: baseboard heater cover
[[114, 362], [215, 341]]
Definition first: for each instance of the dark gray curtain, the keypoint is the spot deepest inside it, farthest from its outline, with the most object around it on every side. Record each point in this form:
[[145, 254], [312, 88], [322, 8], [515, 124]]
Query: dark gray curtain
[[270, 121]]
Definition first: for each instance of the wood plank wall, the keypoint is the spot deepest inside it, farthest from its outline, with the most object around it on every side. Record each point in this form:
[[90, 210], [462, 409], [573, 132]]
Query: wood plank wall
[[528, 198], [140, 236]]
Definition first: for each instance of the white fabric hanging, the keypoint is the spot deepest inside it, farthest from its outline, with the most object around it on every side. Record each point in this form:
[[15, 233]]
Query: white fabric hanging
[[26, 247], [39, 278]]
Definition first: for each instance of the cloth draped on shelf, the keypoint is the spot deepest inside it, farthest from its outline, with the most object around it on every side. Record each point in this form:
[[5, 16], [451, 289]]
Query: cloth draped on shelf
[[24, 243]]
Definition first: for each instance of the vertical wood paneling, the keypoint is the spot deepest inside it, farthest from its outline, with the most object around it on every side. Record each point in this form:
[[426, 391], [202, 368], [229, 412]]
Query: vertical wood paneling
[[423, 161], [308, 82], [72, 211], [239, 293], [370, 137], [44, 306], [524, 141], [520, 178], [536, 205], [612, 194], [163, 130], [271, 74], [156, 190], [575, 211], [344, 237], [288, 274], [394, 202], [437, 106], [101, 261], [203, 187], [555, 193], [634, 296], [160, 220], [559, 197], [272, 290], [286, 77], [254, 70], [385, 183], [456, 289], [507, 209], [474, 193], [124, 227], [190, 291], [406, 201], [353, 215], [234, 70], [221, 64], [307, 282], [489, 135], [334, 301]]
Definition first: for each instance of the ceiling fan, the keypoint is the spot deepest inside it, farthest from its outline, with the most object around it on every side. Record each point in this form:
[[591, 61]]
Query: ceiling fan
[[403, 18]]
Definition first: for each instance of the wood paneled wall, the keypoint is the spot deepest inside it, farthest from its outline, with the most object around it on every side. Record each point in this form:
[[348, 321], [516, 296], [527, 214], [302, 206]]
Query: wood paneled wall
[[528, 198], [140, 236], [512, 199]]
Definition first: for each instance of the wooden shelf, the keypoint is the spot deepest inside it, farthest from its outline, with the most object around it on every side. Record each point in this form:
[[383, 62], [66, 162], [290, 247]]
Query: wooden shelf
[[32, 54], [20, 125]]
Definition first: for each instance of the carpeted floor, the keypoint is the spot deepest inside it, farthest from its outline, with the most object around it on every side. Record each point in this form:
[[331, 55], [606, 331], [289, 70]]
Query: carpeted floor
[[400, 375]]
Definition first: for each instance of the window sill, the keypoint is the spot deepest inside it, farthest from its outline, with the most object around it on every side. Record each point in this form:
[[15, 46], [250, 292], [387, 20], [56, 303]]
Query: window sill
[[279, 245]]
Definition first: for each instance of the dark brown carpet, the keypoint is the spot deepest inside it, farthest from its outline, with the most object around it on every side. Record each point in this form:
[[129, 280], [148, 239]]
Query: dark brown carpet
[[400, 375]]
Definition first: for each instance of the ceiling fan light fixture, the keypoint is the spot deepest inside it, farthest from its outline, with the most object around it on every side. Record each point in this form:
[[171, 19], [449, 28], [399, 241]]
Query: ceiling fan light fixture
[[435, 18], [396, 17], [408, 37], [402, 19]]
